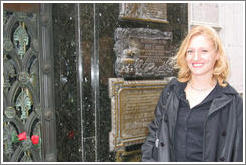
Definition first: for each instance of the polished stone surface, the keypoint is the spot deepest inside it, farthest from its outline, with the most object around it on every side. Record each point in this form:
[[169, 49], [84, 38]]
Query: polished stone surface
[[84, 119], [67, 114]]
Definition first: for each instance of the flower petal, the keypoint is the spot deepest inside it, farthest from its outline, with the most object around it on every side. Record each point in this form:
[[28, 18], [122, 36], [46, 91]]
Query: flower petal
[[35, 139], [22, 136]]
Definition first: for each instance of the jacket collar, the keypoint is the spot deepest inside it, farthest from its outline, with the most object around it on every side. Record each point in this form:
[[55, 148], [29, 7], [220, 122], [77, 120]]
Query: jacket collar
[[226, 94], [218, 103], [177, 86]]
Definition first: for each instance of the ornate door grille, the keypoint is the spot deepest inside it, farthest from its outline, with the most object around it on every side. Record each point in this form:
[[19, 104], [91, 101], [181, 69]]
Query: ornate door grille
[[28, 101], [21, 99]]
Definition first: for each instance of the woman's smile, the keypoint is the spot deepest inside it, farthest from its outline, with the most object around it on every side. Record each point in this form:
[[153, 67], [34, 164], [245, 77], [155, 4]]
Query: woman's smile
[[197, 65]]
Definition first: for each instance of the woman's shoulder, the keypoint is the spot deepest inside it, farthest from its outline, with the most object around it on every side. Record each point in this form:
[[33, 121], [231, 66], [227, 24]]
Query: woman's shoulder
[[230, 91], [171, 86], [173, 82]]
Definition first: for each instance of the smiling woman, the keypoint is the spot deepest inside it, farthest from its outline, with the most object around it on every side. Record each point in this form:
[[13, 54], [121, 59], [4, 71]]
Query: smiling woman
[[196, 110], [208, 41], [201, 57]]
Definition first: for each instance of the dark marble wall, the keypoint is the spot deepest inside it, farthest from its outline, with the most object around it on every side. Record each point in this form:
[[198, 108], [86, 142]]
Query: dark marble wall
[[83, 113], [68, 128], [107, 22], [86, 27]]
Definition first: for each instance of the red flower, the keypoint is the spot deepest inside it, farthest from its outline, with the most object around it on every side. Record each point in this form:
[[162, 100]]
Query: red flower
[[71, 134], [22, 136], [35, 139]]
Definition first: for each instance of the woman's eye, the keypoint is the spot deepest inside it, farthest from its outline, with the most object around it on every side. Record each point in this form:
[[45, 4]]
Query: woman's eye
[[189, 51], [204, 51]]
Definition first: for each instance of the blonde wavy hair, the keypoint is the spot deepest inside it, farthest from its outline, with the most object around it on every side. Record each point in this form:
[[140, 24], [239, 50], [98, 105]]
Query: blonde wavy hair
[[221, 67]]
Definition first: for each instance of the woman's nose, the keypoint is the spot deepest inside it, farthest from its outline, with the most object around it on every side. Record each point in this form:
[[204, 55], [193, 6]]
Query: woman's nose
[[196, 55]]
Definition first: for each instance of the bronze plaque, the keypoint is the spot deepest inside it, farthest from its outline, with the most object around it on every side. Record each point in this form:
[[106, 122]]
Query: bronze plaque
[[151, 12], [132, 109], [143, 53]]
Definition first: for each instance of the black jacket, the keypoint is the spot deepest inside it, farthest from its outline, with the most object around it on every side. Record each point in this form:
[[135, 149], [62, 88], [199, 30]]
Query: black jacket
[[223, 131]]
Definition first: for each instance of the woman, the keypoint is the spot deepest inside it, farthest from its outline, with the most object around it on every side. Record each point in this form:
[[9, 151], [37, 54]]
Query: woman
[[199, 116]]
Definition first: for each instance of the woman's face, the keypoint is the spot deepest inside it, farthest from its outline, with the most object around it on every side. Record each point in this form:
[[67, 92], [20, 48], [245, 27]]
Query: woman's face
[[201, 56]]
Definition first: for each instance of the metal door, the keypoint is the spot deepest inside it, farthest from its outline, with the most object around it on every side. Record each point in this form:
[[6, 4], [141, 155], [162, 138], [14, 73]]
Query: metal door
[[28, 102]]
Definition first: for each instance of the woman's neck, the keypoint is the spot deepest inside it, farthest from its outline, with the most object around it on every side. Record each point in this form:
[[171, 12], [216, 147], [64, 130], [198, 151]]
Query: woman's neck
[[203, 82]]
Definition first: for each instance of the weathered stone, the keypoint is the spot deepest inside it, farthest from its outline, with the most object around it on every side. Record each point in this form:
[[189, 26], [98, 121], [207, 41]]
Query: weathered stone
[[143, 53]]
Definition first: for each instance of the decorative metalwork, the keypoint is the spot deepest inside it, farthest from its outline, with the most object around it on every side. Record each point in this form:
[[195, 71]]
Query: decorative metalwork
[[6, 138], [8, 146], [21, 39], [35, 44], [24, 103], [9, 67], [10, 112], [27, 144], [4, 17], [26, 157], [23, 77], [38, 110], [22, 112], [9, 73], [7, 45]]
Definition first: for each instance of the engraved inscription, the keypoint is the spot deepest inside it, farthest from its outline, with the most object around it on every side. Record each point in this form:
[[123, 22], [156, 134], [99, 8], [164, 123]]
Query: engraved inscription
[[132, 109], [144, 53], [151, 12], [137, 110], [152, 50]]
